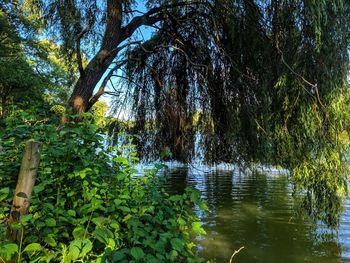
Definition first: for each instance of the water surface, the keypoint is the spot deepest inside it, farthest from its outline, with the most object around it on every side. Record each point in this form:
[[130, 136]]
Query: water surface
[[256, 210]]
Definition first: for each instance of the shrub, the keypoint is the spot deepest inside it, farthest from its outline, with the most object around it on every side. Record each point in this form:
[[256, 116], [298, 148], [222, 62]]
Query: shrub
[[88, 205]]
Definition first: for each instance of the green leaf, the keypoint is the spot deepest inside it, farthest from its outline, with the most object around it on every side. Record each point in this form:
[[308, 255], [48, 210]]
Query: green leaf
[[127, 217], [197, 228], [103, 234], [50, 222], [121, 176], [111, 243], [71, 213], [32, 247], [118, 255], [7, 250], [177, 244], [38, 188], [151, 259], [125, 209], [4, 193], [173, 255], [175, 198], [26, 218], [121, 159], [195, 195], [203, 206], [79, 248], [118, 202], [115, 226], [137, 253], [50, 241], [181, 222], [11, 247], [196, 198], [98, 220], [78, 232]]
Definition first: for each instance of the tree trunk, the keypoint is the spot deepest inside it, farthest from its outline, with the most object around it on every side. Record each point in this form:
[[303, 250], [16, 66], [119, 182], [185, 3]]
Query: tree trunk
[[24, 187], [84, 89]]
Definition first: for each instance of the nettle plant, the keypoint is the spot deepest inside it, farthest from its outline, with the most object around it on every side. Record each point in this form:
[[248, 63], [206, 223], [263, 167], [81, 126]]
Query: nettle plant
[[88, 205]]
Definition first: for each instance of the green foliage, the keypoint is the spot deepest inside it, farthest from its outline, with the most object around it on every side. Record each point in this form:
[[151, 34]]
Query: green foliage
[[322, 175], [33, 69], [17, 77], [88, 204], [270, 79], [99, 111]]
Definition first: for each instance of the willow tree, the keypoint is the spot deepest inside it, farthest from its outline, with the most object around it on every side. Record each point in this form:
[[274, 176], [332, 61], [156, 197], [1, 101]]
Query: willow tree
[[268, 80]]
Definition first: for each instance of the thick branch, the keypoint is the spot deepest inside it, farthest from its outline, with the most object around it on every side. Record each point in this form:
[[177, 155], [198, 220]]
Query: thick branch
[[101, 90], [113, 26], [151, 17]]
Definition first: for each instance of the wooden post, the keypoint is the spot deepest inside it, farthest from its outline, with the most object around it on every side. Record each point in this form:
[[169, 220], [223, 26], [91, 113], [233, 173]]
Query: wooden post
[[24, 187]]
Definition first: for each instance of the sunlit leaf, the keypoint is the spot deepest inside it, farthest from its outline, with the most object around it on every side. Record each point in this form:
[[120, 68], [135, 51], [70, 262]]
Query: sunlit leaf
[[32, 247]]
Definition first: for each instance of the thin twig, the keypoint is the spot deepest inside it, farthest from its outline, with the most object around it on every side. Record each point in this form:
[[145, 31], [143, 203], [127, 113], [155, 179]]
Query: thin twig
[[234, 253], [87, 227], [260, 127], [20, 247], [314, 86]]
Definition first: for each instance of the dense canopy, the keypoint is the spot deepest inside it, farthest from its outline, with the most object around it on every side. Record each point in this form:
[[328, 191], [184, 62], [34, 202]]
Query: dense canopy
[[257, 82], [249, 81]]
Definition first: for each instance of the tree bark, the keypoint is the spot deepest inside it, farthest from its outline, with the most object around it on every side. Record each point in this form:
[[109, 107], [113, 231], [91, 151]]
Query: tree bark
[[114, 35], [24, 187], [84, 88]]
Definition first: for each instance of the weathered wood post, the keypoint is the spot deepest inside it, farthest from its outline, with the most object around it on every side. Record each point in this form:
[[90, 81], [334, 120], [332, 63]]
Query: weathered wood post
[[24, 187]]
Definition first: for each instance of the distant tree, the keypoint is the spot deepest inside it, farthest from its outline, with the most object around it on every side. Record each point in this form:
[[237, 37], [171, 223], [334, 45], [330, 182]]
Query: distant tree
[[33, 70], [99, 111], [17, 77]]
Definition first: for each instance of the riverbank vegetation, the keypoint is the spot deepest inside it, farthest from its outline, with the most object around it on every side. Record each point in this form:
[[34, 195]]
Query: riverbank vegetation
[[246, 81], [87, 203]]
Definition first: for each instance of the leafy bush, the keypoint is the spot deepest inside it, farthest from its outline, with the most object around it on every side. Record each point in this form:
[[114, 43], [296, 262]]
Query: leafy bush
[[88, 204]]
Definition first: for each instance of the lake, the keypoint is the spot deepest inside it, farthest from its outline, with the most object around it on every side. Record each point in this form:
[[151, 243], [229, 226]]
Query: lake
[[257, 210]]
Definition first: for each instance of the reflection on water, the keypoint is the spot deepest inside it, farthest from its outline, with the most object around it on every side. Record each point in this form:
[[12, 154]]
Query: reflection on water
[[256, 211]]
